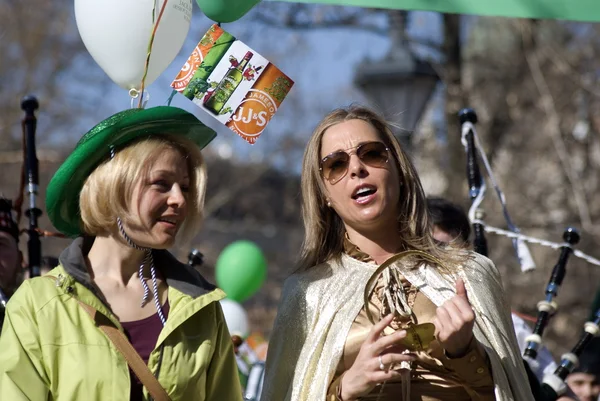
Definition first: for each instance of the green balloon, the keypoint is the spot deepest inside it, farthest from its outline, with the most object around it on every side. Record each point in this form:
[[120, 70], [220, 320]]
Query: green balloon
[[226, 10], [241, 270]]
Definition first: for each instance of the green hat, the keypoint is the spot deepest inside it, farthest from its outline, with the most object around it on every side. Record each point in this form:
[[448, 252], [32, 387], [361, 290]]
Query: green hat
[[62, 194]]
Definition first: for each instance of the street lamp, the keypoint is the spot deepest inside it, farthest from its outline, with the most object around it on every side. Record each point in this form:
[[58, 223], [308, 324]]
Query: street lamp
[[401, 84]]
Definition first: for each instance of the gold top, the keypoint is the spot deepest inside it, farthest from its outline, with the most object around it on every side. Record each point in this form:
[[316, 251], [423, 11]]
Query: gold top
[[434, 377]]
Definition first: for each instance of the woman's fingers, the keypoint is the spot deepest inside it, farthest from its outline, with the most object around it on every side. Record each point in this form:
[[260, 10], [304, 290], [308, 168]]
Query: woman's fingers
[[378, 328], [461, 290], [374, 358], [387, 362], [438, 326], [443, 317], [388, 341], [454, 322], [452, 315], [461, 307], [379, 376], [397, 349], [390, 358], [461, 300]]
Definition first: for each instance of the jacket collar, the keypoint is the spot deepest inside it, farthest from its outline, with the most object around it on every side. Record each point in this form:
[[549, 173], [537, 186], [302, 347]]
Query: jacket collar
[[178, 275]]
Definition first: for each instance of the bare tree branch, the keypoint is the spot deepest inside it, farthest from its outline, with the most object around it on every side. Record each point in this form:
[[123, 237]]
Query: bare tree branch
[[228, 193], [42, 54], [570, 72], [301, 17], [350, 22], [553, 128]]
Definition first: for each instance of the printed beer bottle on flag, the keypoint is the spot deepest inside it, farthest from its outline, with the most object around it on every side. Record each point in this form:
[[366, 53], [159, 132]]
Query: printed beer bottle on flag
[[260, 104], [243, 94], [227, 86]]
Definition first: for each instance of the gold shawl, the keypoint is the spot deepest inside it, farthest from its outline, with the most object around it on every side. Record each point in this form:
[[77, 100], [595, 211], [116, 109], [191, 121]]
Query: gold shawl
[[319, 305]]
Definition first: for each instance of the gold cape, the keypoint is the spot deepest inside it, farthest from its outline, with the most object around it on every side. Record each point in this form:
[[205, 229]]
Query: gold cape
[[318, 307]]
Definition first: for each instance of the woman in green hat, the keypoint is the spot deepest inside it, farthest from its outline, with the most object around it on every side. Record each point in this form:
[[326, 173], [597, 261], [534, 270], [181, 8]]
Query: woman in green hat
[[132, 187]]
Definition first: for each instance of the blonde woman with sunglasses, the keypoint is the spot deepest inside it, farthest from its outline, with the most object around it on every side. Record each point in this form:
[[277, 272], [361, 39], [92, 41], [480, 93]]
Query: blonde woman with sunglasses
[[377, 310]]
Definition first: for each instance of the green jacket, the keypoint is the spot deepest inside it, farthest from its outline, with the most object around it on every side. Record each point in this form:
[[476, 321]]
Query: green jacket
[[50, 349]]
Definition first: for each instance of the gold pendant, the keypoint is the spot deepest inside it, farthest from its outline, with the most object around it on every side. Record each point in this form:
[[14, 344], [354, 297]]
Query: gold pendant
[[419, 336]]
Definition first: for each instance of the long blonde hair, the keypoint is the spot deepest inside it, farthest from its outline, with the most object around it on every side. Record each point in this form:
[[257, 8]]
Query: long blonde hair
[[324, 230]]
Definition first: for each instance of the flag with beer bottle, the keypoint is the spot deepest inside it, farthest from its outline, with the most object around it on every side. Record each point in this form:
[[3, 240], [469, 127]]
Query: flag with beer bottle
[[233, 83]]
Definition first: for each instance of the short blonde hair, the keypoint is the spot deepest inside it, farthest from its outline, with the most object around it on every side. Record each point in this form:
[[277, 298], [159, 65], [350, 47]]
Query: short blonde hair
[[324, 230], [107, 192]]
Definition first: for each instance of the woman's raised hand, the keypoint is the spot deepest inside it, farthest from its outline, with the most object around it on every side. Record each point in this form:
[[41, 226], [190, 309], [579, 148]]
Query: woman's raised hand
[[372, 364], [454, 322]]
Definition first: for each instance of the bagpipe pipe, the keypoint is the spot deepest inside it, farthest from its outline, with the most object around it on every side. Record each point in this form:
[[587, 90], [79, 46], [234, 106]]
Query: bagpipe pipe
[[3, 301], [477, 189], [195, 258], [474, 180], [34, 246], [547, 307], [553, 384], [30, 169], [29, 182]]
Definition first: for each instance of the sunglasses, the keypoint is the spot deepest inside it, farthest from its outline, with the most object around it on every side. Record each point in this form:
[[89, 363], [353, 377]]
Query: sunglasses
[[334, 166]]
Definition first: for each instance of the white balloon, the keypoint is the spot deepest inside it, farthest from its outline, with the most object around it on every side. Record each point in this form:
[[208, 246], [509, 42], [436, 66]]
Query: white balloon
[[117, 33], [236, 318]]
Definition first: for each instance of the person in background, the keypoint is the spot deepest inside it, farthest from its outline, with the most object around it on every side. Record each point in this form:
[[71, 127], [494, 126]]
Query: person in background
[[48, 263], [584, 381], [450, 222], [451, 225], [10, 255]]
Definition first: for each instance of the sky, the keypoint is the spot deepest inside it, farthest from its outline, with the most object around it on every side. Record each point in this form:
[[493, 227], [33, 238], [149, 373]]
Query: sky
[[322, 63]]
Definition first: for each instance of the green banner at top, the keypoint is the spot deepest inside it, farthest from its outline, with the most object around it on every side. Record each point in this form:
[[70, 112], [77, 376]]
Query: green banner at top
[[575, 10]]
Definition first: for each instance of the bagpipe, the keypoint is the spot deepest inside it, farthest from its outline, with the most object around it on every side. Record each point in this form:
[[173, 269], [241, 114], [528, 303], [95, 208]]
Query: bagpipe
[[477, 189], [29, 182], [30, 168], [195, 258], [3, 301], [547, 307], [34, 246], [29, 173], [553, 384]]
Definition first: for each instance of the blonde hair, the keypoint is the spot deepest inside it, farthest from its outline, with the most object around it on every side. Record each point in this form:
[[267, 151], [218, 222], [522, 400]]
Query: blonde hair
[[107, 192], [324, 230]]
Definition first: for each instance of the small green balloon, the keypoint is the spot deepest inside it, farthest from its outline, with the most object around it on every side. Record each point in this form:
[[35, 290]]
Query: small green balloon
[[241, 270], [226, 10]]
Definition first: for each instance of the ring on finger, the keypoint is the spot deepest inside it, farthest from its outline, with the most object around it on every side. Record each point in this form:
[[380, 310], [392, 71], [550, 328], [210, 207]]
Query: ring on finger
[[381, 365]]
